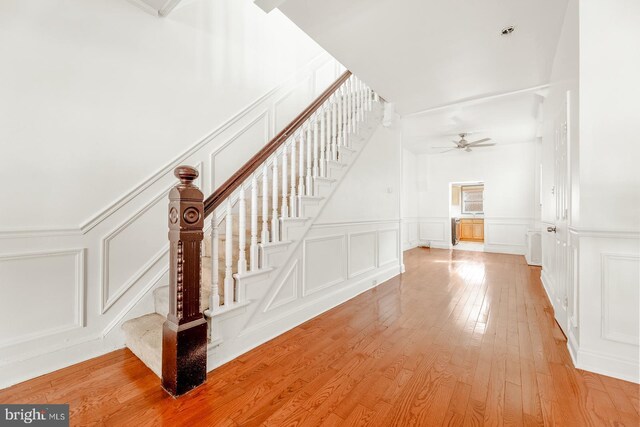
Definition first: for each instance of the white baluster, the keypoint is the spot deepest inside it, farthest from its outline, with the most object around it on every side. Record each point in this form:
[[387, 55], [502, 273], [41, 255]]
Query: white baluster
[[214, 297], [369, 105], [275, 221], [361, 100], [264, 235], [349, 109], [316, 138], [242, 236], [284, 210], [339, 131], [253, 249], [354, 122], [292, 192], [347, 123], [301, 184], [376, 97], [308, 148], [228, 256], [334, 129], [323, 143]]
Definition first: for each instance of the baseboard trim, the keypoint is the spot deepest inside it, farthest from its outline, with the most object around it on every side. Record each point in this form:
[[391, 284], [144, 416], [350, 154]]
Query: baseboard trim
[[505, 249], [606, 364]]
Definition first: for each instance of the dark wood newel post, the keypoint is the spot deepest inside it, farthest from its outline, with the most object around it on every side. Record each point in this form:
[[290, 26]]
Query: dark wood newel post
[[184, 335]]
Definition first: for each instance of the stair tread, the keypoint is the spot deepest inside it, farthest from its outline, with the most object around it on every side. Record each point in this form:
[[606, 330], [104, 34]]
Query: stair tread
[[144, 339]]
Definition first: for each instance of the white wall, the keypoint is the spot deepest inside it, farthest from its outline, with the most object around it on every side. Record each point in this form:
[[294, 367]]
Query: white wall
[[508, 173], [98, 95], [188, 89], [600, 285]]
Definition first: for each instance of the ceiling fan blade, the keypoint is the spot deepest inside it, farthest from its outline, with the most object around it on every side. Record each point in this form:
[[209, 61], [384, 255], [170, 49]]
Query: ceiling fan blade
[[436, 148], [446, 151], [479, 141], [485, 145], [457, 143]]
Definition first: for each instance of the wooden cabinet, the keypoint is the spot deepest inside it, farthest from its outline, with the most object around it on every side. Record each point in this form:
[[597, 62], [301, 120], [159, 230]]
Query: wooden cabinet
[[472, 229]]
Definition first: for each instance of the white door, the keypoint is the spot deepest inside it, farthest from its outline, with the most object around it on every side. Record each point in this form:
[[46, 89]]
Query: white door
[[560, 231]]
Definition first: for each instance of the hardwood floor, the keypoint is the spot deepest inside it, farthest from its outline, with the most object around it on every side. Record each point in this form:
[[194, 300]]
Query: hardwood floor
[[462, 338]]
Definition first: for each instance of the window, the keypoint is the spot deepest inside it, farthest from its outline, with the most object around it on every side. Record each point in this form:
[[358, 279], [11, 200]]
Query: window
[[472, 199]]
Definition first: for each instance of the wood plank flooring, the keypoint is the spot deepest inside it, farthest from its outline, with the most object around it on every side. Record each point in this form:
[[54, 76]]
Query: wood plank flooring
[[462, 338]]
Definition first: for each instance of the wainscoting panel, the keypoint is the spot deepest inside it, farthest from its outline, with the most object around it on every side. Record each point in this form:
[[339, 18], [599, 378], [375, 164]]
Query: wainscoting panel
[[362, 252], [287, 290], [44, 292], [432, 230], [507, 235], [122, 267], [621, 298], [324, 263], [410, 233], [387, 247]]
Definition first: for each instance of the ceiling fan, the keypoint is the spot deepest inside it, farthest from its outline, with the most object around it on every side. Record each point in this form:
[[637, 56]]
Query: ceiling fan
[[465, 145]]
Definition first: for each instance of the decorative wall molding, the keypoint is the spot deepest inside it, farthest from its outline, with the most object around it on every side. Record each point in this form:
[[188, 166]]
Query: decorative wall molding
[[435, 232], [350, 255], [79, 294], [306, 290], [604, 233], [357, 222], [608, 288], [396, 248], [292, 274]]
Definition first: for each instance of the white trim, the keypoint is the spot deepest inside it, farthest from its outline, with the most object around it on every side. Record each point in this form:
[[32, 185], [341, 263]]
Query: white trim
[[608, 365], [80, 290], [478, 99], [352, 223], [603, 232]]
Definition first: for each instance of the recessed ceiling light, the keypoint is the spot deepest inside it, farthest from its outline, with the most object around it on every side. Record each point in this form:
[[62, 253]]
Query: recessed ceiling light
[[507, 30]]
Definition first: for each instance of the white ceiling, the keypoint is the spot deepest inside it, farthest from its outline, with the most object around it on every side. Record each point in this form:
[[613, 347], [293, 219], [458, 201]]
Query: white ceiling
[[423, 54], [507, 119]]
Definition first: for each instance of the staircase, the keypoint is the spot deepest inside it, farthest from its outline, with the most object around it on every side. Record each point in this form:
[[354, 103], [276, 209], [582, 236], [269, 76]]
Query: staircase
[[255, 222]]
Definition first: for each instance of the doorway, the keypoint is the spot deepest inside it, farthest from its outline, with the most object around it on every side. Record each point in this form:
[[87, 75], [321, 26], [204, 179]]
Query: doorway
[[466, 212]]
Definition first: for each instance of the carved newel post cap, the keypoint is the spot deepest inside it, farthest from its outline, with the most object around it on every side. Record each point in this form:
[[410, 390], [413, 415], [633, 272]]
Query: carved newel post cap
[[186, 174]]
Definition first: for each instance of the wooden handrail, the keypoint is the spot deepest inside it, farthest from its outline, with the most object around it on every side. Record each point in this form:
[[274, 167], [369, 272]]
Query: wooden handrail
[[230, 185]]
